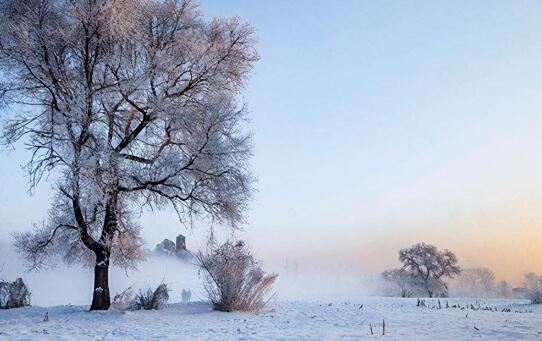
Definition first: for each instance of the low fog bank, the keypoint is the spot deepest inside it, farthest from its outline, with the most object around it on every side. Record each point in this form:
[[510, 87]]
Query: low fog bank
[[325, 286], [73, 285], [311, 282], [65, 285]]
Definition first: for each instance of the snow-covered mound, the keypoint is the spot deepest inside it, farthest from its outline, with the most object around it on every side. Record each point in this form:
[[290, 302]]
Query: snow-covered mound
[[285, 320]]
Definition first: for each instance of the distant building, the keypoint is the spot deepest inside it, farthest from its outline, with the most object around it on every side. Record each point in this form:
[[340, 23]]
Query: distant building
[[178, 249], [181, 243], [166, 246]]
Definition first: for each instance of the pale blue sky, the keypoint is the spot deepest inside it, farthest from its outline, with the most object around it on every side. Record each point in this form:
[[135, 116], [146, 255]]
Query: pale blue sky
[[379, 124]]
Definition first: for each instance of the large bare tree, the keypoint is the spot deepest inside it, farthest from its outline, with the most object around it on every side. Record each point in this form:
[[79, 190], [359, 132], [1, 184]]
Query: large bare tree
[[127, 105], [430, 266]]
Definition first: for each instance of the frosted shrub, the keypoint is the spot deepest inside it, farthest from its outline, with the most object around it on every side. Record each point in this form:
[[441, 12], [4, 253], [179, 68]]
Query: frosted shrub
[[151, 300], [233, 280], [533, 287], [122, 301], [14, 294]]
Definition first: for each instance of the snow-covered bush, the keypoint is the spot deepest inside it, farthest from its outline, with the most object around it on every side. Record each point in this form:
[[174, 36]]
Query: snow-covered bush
[[233, 280], [14, 294], [122, 301], [151, 300], [533, 287]]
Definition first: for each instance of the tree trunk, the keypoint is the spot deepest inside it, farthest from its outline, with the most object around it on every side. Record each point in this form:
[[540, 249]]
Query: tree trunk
[[100, 298]]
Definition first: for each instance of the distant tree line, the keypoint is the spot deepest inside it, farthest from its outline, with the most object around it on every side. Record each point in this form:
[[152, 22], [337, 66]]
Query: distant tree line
[[427, 271]]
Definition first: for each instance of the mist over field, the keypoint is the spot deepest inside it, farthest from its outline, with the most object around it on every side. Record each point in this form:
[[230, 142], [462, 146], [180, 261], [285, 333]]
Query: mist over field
[[71, 285]]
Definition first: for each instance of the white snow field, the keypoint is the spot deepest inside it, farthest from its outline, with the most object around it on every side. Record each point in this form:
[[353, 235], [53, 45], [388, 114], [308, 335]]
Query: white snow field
[[287, 320]]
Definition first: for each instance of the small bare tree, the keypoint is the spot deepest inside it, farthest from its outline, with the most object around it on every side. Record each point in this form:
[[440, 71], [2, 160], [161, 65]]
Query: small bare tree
[[401, 282], [430, 266], [233, 278], [477, 281], [504, 290], [130, 105], [533, 287]]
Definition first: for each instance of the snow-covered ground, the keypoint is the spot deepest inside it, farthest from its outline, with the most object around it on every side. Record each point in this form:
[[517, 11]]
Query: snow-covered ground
[[313, 305], [286, 320]]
